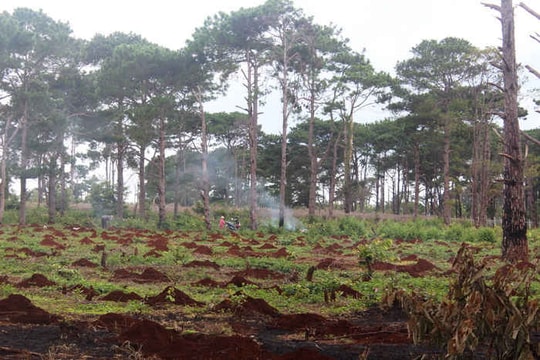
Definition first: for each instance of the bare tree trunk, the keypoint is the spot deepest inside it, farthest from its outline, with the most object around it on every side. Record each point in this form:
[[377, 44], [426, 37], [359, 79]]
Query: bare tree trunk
[[314, 164], [284, 119], [63, 185], [177, 183], [347, 186], [6, 140], [252, 79], [120, 181], [416, 180], [475, 173], [141, 196], [333, 178], [162, 201], [514, 245], [3, 175], [24, 165], [205, 182], [446, 172], [51, 185]]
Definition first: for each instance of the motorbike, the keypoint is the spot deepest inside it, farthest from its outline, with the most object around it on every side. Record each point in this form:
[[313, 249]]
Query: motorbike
[[233, 224]]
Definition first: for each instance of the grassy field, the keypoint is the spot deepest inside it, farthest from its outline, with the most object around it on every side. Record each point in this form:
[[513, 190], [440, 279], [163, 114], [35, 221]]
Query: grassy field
[[332, 268]]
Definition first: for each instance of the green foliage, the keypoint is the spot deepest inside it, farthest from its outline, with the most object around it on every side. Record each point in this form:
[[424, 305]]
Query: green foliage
[[411, 230], [352, 226], [486, 235], [188, 221], [347, 225], [375, 250], [102, 199]]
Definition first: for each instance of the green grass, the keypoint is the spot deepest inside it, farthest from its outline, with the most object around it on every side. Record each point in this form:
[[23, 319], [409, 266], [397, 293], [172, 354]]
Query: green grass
[[428, 240]]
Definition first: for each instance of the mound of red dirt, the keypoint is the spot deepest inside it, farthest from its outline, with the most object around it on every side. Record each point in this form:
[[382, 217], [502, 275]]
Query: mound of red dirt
[[298, 321], [115, 322], [18, 309], [48, 241], [240, 281], [121, 296], [261, 274], [202, 263], [154, 339], [206, 282], [420, 268], [147, 276], [159, 243], [89, 292], [84, 263], [37, 280], [247, 306], [173, 295], [203, 250]]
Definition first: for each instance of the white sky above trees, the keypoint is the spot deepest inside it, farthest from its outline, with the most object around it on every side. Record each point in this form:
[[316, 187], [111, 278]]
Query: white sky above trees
[[386, 29]]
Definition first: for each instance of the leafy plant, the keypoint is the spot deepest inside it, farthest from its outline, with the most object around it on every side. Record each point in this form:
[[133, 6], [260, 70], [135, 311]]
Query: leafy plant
[[496, 313], [375, 250]]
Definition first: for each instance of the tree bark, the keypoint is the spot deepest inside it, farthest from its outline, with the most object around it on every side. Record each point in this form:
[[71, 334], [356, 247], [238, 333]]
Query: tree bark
[[162, 201], [24, 165], [348, 133], [141, 196], [51, 189], [120, 181], [333, 177], [446, 172], [252, 79], [514, 225]]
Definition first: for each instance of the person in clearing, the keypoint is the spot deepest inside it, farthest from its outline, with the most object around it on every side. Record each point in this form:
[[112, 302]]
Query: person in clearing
[[222, 222]]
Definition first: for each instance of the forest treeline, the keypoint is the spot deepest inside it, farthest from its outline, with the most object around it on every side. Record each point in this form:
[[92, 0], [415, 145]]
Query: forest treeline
[[119, 102]]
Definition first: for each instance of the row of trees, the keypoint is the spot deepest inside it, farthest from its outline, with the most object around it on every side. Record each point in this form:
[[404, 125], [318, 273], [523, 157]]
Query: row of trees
[[129, 102]]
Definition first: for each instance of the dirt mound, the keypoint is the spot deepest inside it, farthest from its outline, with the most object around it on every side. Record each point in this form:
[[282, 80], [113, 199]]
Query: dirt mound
[[261, 274], [120, 296], [25, 251], [89, 292], [206, 282], [202, 263], [154, 339], [86, 241], [247, 306], [173, 295], [115, 322], [420, 268], [84, 263], [203, 250], [240, 281], [159, 243], [48, 241], [36, 280], [147, 276], [18, 309]]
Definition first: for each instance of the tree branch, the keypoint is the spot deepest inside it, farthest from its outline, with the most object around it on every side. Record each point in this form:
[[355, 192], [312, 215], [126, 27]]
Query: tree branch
[[529, 10], [509, 157], [533, 70], [530, 138], [492, 6], [497, 86]]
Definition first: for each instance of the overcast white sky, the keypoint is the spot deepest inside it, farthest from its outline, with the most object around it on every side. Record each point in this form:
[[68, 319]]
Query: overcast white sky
[[386, 29]]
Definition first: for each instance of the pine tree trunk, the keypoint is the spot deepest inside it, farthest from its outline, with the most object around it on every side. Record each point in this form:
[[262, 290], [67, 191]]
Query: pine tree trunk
[[253, 108], [24, 165], [514, 224], [141, 196]]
